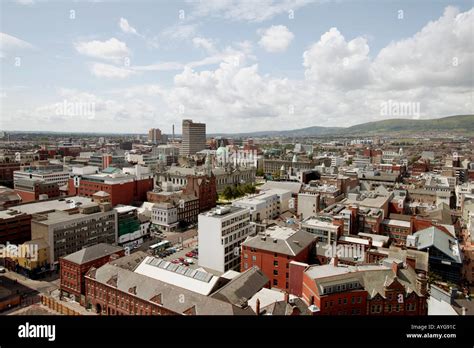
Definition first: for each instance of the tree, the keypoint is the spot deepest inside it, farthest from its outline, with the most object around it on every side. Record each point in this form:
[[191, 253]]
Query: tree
[[228, 193]]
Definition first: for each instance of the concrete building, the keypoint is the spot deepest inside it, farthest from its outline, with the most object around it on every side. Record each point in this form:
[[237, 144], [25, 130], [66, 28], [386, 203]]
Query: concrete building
[[155, 136], [194, 138], [8, 198], [47, 176], [165, 215], [221, 231], [322, 228], [69, 231], [308, 205], [131, 231]]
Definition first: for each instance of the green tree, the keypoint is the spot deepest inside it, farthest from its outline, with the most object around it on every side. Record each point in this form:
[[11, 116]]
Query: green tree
[[228, 193]]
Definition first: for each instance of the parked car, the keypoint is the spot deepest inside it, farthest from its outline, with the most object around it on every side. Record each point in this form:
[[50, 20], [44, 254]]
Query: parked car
[[185, 263], [176, 261], [190, 261], [181, 259], [2, 269], [189, 254]]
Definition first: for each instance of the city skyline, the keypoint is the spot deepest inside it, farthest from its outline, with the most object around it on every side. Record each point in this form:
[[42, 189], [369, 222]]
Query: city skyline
[[125, 67]]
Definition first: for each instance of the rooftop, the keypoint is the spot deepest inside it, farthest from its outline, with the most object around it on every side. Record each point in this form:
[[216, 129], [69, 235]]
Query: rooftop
[[174, 298], [281, 240], [184, 277], [56, 204], [92, 253]]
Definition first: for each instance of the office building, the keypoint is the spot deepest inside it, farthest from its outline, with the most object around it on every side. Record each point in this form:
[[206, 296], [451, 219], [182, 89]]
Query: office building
[[194, 138], [221, 231], [69, 231]]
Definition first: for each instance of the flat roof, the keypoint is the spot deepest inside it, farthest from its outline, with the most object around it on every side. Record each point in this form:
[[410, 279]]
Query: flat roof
[[396, 222], [315, 222], [56, 204], [329, 270]]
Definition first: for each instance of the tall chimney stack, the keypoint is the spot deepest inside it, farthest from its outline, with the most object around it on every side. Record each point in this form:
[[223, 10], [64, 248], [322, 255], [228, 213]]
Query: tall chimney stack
[[257, 305]]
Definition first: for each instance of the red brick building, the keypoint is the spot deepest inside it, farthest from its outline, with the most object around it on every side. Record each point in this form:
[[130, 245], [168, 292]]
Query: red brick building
[[204, 188], [6, 172], [364, 290], [15, 228], [30, 190], [114, 289], [273, 250], [122, 190], [74, 266]]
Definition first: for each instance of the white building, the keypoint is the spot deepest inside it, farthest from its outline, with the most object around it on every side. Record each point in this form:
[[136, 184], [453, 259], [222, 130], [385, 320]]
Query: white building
[[308, 204], [325, 230], [267, 204], [165, 215], [221, 231], [51, 177]]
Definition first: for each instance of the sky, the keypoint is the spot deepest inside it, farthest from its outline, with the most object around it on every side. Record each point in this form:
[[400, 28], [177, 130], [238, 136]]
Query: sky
[[238, 66]]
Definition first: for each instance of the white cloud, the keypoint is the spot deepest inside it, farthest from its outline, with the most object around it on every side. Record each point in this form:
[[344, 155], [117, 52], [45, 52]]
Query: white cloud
[[252, 11], [179, 32], [25, 2], [205, 43], [334, 61], [441, 54], [111, 49], [277, 38], [126, 27], [11, 45], [110, 71], [342, 86]]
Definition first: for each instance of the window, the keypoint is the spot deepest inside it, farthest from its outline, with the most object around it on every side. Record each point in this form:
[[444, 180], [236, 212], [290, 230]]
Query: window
[[275, 272], [275, 263], [275, 282], [254, 258]]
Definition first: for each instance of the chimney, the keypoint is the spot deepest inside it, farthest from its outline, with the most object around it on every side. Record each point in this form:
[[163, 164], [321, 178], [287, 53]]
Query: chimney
[[463, 311], [257, 305], [395, 267], [336, 261], [422, 283], [411, 261], [287, 297]]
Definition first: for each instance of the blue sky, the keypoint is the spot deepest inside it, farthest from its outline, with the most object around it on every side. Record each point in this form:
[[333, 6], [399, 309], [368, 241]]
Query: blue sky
[[236, 65]]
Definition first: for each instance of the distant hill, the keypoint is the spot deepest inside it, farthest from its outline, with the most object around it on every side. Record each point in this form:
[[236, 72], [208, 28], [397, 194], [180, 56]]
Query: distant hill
[[460, 123], [451, 123]]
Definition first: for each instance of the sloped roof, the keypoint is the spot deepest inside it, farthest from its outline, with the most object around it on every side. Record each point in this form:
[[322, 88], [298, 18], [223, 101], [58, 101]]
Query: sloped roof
[[242, 287], [290, 244], [444, 242], [92, 253], [373, 279], [171, 297]]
